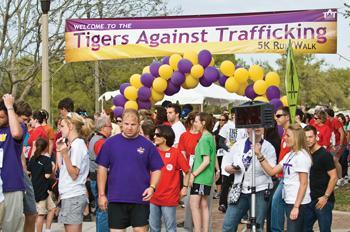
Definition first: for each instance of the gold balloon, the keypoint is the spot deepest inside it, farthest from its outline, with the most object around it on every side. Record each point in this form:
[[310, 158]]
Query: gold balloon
[[232, 85], [146, 70], [242, 87], [130, 93], [227, 68], [165, 71], [260, 87], [131, 105], [256, 72], [173, 60], [159, 84], [191, 56], [241, 75], [284, 100], [156, 96], [190, 82], [197, 71], [135, 80], [272, 78], [212, 62], [261, 98]]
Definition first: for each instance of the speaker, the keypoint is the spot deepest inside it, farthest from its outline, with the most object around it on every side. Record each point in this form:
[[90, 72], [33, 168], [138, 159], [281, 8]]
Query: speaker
[[254, 114]]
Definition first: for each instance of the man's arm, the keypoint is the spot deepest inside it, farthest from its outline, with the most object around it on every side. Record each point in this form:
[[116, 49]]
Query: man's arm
[[155, 177], [15, 126], [330, 188]]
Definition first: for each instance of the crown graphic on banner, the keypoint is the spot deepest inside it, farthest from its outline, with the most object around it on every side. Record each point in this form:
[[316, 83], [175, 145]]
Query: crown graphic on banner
[[329, 14]]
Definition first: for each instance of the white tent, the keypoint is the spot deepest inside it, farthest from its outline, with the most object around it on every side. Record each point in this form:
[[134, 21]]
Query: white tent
[[213, 94]]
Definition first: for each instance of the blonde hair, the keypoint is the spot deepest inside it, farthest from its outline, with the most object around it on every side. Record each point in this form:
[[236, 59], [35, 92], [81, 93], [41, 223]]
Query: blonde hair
[[299, 137], [84, 127]]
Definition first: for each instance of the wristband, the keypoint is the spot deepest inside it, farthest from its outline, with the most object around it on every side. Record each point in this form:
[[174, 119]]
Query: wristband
[[153, 187], [11, 108], [185, 186]]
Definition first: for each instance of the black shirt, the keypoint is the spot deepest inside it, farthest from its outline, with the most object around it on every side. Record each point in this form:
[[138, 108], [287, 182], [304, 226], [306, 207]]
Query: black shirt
[[322, 162], [38, 168]]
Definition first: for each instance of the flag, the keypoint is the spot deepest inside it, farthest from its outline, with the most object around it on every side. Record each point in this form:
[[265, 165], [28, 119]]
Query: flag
[[291, 82]]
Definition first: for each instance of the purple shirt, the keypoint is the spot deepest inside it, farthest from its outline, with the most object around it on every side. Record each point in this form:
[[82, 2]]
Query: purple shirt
[[12, 169], [130, 162]]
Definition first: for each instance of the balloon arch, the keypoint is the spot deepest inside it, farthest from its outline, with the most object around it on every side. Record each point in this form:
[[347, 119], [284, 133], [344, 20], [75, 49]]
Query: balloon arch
[[187, 71]]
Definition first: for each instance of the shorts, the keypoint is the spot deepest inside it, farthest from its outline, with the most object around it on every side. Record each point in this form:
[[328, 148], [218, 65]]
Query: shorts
[[72, 210], [200, 189], [123, 215], [29, 206], [337, 150], [45, 205]]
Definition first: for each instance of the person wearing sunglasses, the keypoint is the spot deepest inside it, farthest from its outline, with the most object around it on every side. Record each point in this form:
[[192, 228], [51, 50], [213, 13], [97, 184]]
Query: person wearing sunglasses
[[165, 200], [324, 132]]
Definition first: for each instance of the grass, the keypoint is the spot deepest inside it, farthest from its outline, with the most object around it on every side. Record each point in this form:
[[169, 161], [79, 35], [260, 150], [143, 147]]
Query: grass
[[342, 198]]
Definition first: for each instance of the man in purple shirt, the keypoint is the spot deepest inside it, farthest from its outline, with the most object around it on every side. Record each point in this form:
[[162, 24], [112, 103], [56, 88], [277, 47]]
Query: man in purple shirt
[[11, 139], [134, 171]]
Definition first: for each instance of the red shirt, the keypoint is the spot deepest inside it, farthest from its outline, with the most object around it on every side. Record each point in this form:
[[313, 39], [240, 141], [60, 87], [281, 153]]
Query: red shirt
[[34, 134], [336, 124], [188, 142], [168, 190], [283, 151], [323, 135], [98, 145]]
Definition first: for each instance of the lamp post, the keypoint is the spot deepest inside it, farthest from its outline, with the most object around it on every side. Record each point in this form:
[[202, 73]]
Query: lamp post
[[45, 79]]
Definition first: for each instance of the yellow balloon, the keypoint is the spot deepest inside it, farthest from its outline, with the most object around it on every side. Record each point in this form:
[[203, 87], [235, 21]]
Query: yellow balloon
[[260, 87], [173, 60], [130, 93], [146, 70], [256, 72], [212, 62], [165, 71], [272, 78], [156, 96], [284, 100], [197, 71], [261, 98], [231, 85], [131, 105], [191, 56], [159, 84], [227, 68], [113, 107], [190, 82], [135, 80], [242, 87], [241, 75]]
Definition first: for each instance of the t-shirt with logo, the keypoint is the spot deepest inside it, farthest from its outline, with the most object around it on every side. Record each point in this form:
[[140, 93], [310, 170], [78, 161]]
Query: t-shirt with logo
[[12, 169], [188, 142], [283, 150], [168, 189], [205, 147], [38, 168], [294, 163], [130, 161]]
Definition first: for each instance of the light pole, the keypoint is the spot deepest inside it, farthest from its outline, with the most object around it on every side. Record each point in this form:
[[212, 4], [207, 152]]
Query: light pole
[[45, 79]]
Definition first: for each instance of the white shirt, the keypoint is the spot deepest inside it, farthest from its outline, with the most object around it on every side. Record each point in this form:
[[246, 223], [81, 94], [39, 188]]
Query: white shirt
[[292, 164], [262, 179], [178, 129], [79, 157], [2, 198]]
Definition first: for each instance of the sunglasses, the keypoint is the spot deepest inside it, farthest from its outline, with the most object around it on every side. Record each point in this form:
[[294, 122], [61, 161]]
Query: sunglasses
[[279, 115], [119, 120], [222, 120], [158, 135]]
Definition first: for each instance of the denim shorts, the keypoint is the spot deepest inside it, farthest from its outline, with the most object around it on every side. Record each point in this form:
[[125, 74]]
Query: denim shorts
[[72, 210], [29, 205]]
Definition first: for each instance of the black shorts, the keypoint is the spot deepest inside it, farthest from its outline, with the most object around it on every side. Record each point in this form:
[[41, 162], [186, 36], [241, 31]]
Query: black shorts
[[200, 189], [123, 215]]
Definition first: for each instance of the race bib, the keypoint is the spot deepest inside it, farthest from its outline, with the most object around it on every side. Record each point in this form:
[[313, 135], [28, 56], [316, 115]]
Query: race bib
[[1, 156]]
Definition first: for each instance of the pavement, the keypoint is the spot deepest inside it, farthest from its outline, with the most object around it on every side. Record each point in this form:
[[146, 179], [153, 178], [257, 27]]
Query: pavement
[[341, 221]]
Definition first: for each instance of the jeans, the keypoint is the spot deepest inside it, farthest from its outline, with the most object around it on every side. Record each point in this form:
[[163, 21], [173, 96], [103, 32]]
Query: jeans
[[169, 217], [323, 216], [344, 163], [235, 213], [101, 216], [298, 224], [277, 209]]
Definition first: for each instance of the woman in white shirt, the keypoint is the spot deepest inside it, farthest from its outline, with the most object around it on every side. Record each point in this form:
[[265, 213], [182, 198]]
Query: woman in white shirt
[[296, 167], [73, 160]]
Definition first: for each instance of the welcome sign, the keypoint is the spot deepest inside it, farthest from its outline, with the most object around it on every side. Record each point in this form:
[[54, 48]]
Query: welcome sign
[[311, 31]]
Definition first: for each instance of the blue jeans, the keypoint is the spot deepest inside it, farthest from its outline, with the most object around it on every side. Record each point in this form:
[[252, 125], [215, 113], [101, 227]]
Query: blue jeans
[[298, 224], [277, 209], [235, 213], [323, 216], [155, 218], [101, 216]]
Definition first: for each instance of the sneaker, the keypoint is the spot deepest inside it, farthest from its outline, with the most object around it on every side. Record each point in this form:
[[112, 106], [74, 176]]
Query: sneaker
[[341, 182], [222, 208], [87, 218]]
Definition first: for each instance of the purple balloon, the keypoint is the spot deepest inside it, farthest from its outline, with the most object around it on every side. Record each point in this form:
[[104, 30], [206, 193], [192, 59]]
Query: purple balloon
[[273, 92], [122, 87], [276, 103], [144, 105], [147, 79], [171, 89], [144, 93], [184, 65], [177, 78], [204, 82], [237, 66], [204, 58], [154, 67], [222, 80], [118, 111], [165, 60], [211, 74], [249, 92], [119, 100]]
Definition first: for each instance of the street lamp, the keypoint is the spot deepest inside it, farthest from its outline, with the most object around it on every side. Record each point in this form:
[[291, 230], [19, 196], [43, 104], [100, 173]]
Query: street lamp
[[45, 80]]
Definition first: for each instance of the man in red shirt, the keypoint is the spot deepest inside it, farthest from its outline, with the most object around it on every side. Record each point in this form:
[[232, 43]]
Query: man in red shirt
[[38, 131]]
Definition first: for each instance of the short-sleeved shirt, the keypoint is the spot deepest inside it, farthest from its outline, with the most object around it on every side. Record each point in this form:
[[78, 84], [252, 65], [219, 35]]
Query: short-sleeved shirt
[[49, 131], [205, 147], [336, 125], [322, 162], [324, 134], [284, 149], [178, 129], [38, 168], [130, 161], [79, 157], [34, 134], [294, 163], [188, 142], [12, 169], [168, 189]]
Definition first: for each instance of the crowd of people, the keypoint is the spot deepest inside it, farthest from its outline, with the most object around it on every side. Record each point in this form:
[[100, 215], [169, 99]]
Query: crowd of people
[[136, 169]]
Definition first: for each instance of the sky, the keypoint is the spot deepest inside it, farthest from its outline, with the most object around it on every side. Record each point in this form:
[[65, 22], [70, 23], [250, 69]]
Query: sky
[[205, 7]]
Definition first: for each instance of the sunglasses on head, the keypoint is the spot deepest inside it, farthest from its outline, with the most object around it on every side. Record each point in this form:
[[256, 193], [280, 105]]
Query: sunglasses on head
[[279, 115]]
